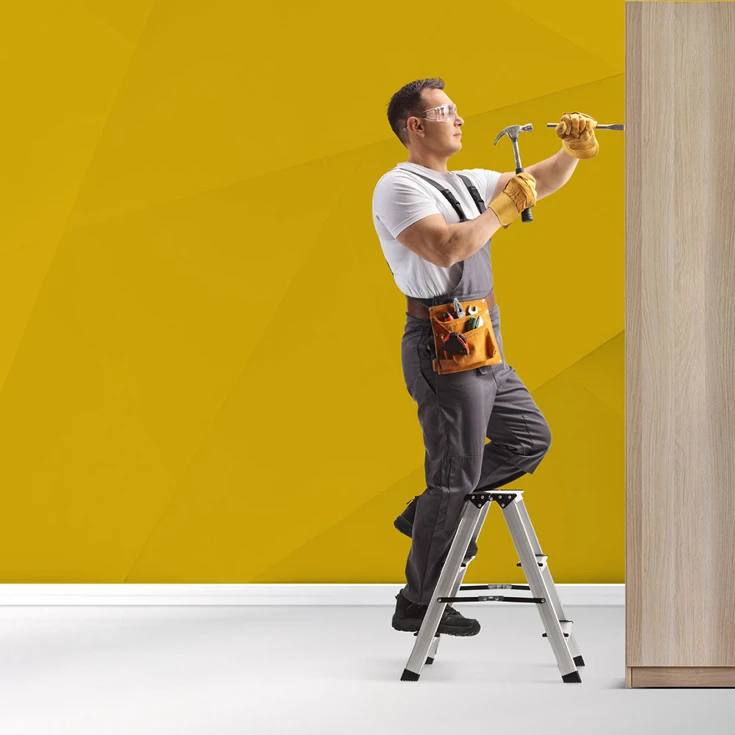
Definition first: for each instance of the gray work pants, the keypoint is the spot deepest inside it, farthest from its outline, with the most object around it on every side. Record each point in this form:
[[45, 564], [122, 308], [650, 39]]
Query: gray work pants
[[456, 412]]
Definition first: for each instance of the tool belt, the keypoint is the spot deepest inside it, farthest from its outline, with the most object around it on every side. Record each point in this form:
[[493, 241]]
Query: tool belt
[[476, 346]]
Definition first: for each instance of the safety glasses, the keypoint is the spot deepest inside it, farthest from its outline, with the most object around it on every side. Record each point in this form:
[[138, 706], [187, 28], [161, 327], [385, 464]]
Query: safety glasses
[[443, 113]]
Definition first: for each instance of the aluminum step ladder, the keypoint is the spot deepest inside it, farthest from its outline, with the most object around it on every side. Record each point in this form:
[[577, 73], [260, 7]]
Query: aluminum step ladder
[[534, 563]]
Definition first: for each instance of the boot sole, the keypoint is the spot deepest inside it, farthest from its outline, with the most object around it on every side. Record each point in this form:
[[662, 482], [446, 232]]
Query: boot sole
[[414, 626]]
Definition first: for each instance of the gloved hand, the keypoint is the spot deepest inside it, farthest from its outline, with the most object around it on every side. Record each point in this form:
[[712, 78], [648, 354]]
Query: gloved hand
[[577, 133], [518, 194]]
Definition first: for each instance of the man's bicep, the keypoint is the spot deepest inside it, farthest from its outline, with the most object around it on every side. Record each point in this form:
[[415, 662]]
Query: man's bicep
[[427, 238]]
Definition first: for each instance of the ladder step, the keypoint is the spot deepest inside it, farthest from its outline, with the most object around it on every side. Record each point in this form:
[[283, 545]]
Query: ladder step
[[542, 563], [566, 628], [466, 587], [494, 598]]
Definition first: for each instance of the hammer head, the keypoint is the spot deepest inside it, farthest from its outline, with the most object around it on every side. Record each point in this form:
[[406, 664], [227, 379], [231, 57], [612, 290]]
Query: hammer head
[[512, 131]]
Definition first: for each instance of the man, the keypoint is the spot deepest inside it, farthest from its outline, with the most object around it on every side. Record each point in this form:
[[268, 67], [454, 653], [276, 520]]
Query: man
[[435, 227]]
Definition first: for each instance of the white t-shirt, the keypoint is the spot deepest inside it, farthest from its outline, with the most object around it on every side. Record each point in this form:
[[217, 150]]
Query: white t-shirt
[[402, 198]]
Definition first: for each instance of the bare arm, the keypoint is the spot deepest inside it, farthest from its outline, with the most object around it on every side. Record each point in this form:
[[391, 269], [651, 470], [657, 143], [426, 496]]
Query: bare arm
[[552, 173], [466, 238], [446, 244]]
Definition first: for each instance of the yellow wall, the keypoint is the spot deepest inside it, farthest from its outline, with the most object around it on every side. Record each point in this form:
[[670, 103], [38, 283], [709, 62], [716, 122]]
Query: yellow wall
[[187, 245]]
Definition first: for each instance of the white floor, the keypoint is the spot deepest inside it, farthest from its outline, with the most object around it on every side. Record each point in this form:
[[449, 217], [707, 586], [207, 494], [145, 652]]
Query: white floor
[[266, 670]]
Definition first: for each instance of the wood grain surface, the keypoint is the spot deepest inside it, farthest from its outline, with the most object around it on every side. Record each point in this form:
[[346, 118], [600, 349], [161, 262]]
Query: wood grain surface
[[680, 340]]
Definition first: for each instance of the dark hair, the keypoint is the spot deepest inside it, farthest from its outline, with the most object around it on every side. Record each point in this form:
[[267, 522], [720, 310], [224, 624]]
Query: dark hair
[[407, 102]]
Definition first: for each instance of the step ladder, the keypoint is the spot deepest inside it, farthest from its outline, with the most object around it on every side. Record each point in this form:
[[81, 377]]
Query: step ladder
[[534, 564]]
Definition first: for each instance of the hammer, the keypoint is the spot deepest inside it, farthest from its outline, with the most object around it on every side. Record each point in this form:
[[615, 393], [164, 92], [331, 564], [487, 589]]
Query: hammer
[[512, 132]]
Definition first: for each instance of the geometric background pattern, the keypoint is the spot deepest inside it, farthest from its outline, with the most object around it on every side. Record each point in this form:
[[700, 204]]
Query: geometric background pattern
[[200, 375]]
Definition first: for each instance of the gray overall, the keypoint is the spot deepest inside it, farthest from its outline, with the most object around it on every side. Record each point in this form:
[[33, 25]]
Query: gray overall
[[457, 411]]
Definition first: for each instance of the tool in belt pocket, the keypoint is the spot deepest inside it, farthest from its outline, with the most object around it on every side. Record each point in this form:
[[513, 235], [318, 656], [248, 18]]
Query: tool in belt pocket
[[464, 339], [455, 344]]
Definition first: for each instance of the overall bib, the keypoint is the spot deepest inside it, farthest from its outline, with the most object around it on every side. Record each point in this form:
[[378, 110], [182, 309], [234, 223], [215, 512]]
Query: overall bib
[[457, 411]]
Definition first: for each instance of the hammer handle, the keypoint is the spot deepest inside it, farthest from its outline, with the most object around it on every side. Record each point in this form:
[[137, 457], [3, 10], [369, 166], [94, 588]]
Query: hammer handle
[[526, 215]]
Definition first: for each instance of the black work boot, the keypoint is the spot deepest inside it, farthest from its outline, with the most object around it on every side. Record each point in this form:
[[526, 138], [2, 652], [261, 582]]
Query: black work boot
[[404, 523], [409, 616]]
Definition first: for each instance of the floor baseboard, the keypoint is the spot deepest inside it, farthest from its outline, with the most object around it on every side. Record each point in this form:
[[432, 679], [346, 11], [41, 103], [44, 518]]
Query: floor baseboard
[[259, 594]]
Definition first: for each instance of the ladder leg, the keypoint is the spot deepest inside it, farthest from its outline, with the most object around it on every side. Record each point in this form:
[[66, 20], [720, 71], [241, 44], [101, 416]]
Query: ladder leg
[[460, 574], [431, 655], [551, 587], [537, 583], [453, 570]]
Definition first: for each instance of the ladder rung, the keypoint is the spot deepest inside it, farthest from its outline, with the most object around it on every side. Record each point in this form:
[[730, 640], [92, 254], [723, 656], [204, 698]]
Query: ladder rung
[[566, 628], [466, 587], [542, 563], [494, 598]]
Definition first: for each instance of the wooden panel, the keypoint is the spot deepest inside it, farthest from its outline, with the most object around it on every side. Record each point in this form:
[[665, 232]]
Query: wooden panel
[[680, 336], [680, 676]]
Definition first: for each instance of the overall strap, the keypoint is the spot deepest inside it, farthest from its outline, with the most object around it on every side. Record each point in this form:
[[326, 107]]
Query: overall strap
[[452, 199], [473, 193], [447, 193]]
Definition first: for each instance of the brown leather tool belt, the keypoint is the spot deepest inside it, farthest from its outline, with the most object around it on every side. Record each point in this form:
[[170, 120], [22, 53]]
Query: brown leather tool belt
[[421, 311]]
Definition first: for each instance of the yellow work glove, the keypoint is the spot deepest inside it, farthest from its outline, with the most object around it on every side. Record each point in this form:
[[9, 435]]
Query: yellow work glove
[[518, 194], [577, 133]]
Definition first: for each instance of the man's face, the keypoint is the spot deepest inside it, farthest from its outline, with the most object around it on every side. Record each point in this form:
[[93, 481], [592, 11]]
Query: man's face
[[439, 137]]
